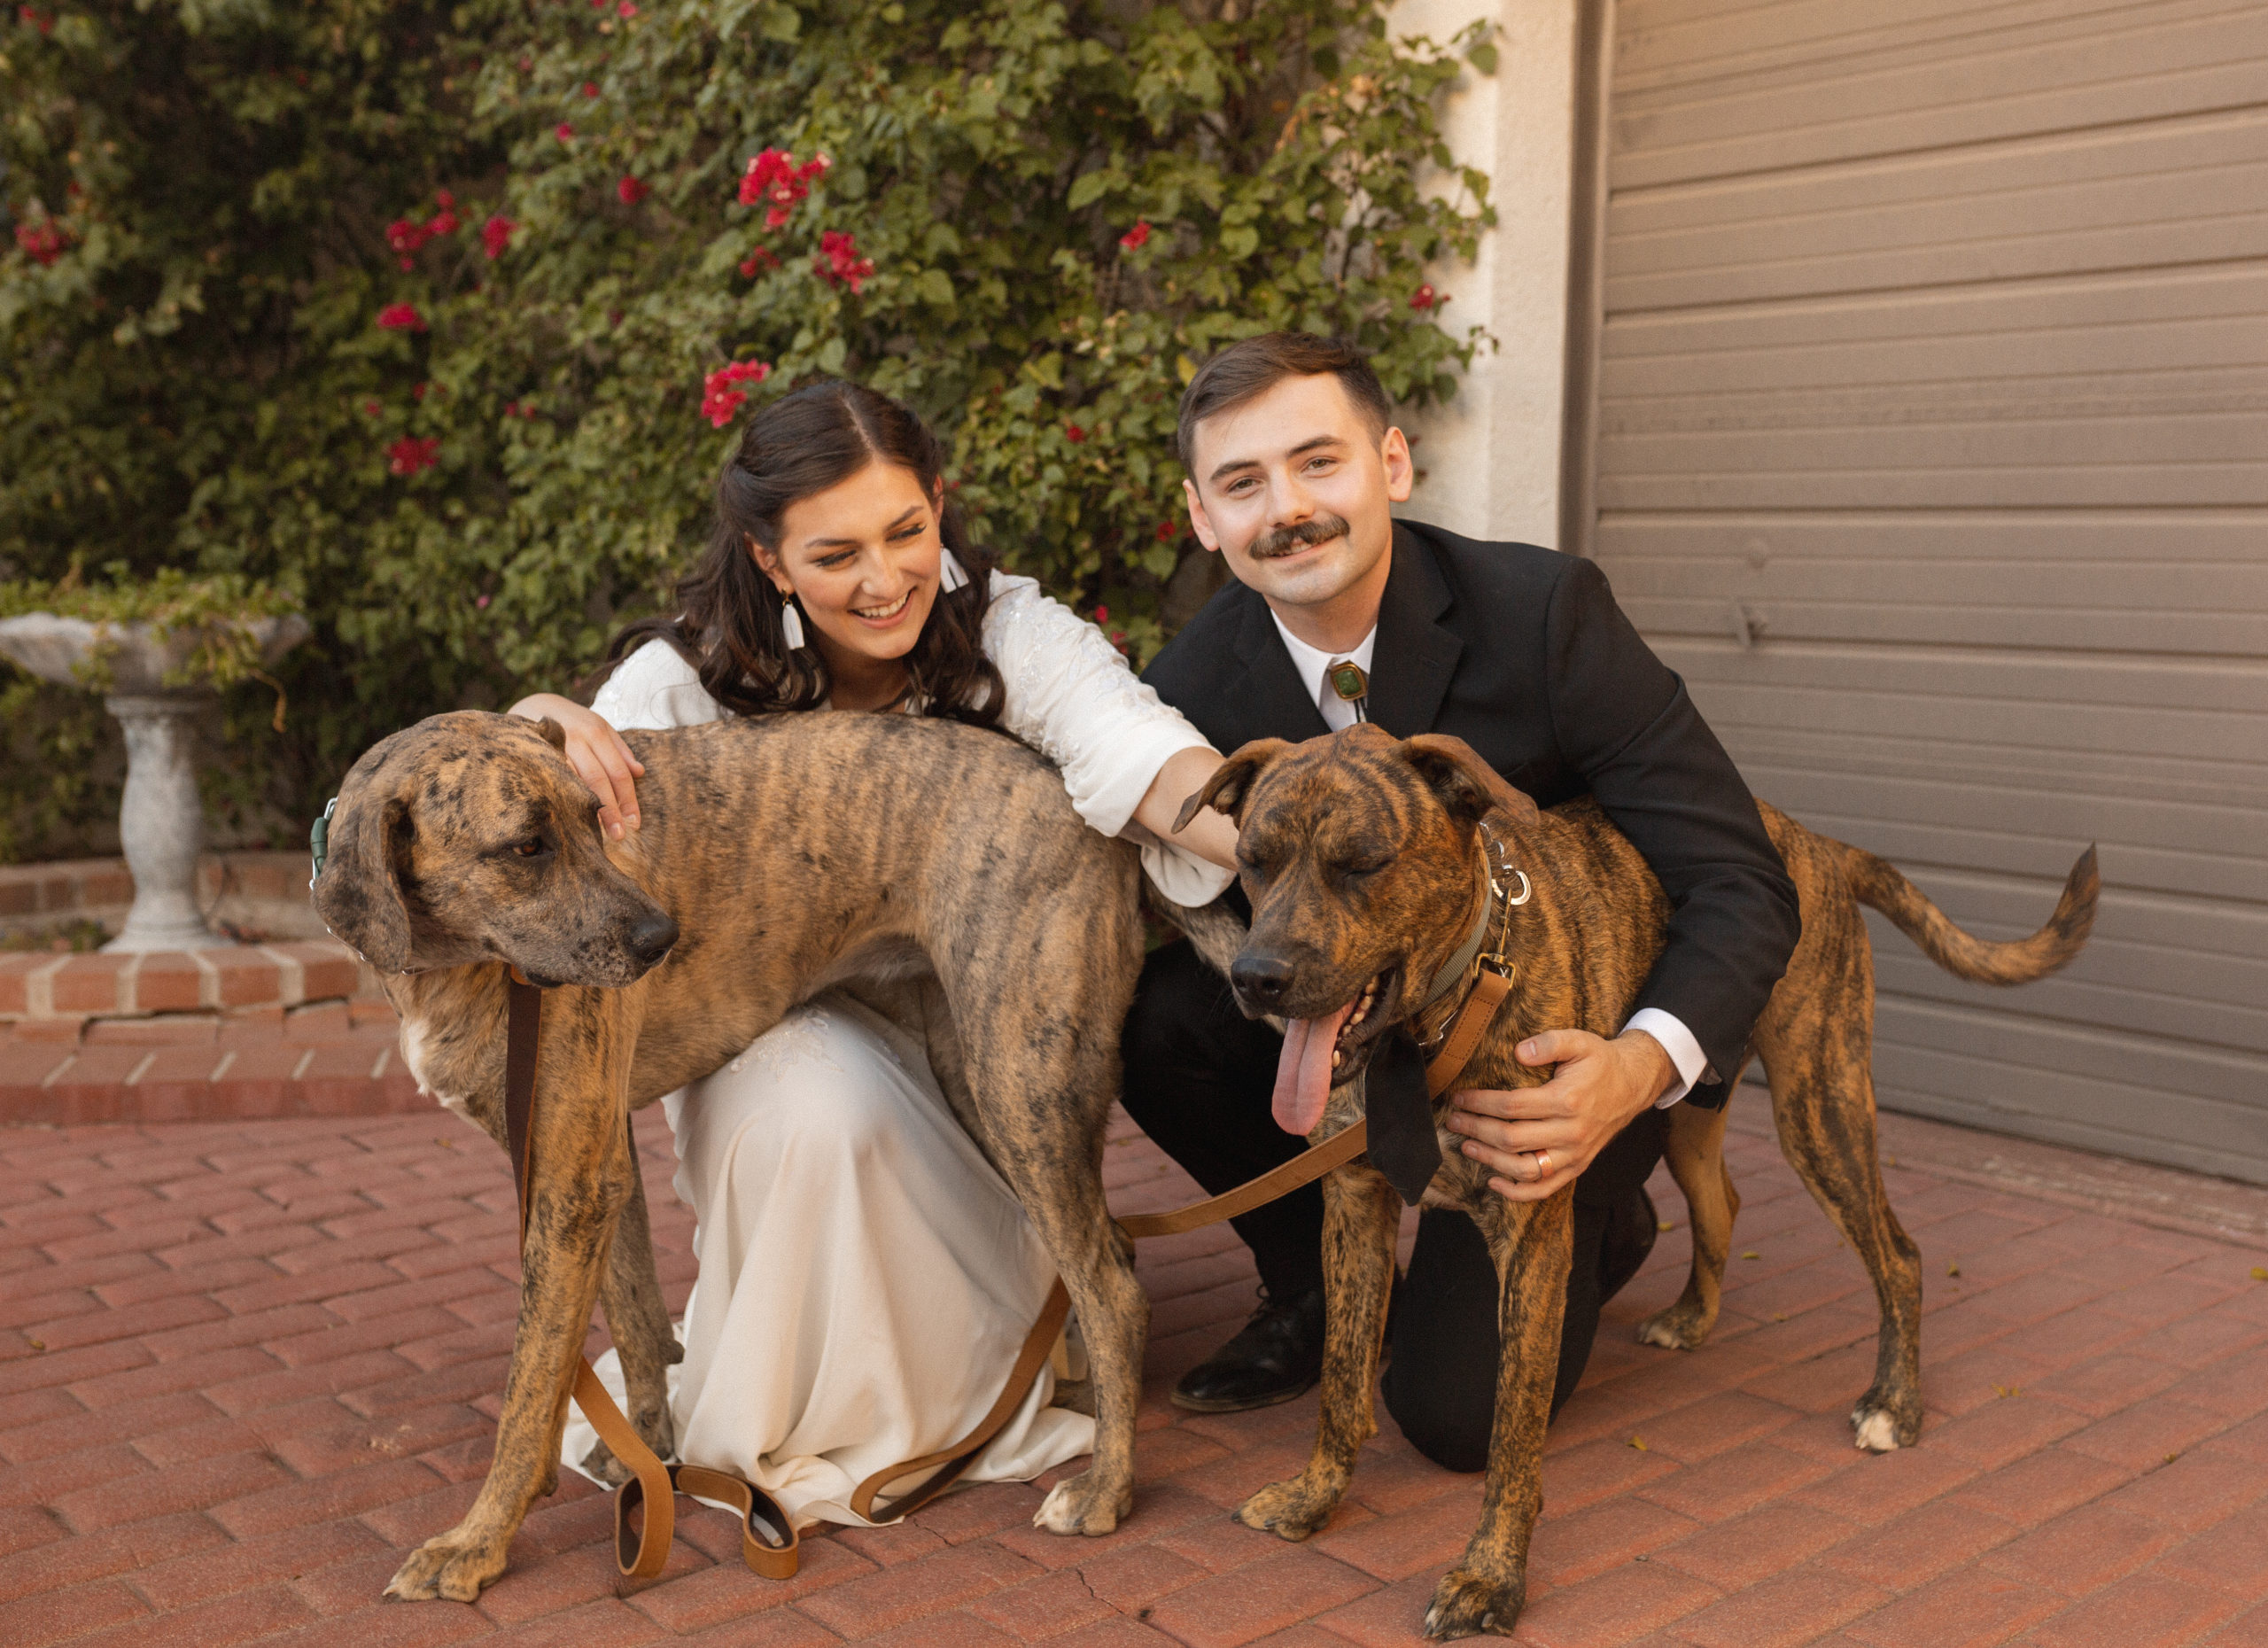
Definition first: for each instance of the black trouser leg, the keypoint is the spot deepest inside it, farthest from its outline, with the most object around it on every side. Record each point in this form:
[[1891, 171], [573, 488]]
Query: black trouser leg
[[1199, 1077], [1440, 1385]]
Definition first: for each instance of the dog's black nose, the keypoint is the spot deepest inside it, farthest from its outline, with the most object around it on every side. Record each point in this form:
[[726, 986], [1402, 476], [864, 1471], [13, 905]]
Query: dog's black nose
[[1261, 980], [651, 939]]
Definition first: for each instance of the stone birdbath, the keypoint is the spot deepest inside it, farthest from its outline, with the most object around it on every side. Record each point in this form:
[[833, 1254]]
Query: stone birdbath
[[149, 678]]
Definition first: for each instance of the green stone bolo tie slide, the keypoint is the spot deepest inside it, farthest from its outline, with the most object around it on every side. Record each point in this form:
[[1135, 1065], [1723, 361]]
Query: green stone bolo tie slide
[[1348, 681]]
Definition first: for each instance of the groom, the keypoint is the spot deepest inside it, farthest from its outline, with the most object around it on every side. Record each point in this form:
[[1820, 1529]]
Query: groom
[[1293, 464]]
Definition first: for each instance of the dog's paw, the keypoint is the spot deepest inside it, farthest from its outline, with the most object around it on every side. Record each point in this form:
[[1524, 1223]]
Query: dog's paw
[[1676, 1328], [445, 1570], [1879, 1426], [1291, 1509], [600, 1463], [1467, 1603], [1083, 1505]]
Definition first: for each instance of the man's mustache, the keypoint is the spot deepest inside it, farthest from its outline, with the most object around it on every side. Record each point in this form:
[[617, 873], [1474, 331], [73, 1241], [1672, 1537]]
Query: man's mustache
[[1290, 540]]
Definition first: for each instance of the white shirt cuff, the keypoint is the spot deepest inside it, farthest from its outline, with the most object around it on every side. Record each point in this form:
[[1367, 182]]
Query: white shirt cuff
[[1677, 1041]]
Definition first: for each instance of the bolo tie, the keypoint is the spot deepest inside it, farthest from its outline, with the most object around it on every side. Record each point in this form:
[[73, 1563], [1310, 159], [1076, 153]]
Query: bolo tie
[[1404, 1146], [1348, 680]]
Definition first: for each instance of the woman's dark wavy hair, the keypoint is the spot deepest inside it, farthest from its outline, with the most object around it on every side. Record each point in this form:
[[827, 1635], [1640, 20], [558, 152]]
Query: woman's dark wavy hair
[[728, 622]]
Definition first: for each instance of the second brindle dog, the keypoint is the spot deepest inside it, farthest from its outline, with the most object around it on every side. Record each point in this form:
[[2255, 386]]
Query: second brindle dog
[[1361, 855]]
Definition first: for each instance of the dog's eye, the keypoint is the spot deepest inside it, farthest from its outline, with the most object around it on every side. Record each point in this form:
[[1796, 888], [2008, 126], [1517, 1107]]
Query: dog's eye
[[532, 847], [1370, 864]]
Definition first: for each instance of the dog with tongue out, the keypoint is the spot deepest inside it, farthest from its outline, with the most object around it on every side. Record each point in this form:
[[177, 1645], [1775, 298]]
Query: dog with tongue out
[[1337, 975]]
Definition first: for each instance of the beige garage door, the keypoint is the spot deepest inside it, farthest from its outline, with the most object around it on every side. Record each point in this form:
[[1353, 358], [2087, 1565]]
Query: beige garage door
[[1932, 447]]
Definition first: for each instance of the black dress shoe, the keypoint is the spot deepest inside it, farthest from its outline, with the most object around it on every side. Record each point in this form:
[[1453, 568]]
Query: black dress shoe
[[1631, 1228], [1276, 1356]]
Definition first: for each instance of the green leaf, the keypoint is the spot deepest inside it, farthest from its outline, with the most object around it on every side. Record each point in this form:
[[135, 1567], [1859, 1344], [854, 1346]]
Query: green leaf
[[1088, 188]]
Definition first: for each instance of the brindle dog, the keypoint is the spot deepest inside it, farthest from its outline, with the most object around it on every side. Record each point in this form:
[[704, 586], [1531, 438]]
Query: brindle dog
[[1360, 854], [779, 855]]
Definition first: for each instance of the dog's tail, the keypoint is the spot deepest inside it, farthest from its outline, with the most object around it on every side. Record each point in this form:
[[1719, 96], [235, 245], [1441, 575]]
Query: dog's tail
[[1878, 885]]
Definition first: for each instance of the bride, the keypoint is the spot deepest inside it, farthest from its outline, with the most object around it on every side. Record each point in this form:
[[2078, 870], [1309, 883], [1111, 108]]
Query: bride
[[865, 1276]]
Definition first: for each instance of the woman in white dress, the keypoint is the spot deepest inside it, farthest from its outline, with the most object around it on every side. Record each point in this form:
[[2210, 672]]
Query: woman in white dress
[[865, 1276]]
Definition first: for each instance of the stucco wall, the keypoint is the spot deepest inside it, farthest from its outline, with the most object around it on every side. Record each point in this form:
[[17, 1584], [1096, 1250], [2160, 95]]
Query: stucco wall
[[1490, 458]]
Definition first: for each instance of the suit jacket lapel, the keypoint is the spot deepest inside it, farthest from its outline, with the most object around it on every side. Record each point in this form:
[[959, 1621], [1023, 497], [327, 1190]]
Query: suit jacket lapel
[[1270, 697], [1411, 665]]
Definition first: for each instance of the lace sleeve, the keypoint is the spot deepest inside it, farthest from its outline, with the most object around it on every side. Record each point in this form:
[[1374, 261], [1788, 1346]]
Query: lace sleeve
[[1072, 696], [655, 687]]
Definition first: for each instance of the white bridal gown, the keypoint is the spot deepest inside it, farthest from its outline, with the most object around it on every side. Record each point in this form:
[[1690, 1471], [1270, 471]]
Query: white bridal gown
[[866, 1278]]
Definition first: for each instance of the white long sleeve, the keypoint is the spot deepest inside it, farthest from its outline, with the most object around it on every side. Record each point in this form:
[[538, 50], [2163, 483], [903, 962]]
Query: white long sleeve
[[655, 687], [1070, 695], [1074, 698]]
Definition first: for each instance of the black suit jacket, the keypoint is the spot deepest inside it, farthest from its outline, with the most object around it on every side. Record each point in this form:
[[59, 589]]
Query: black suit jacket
[[1523, 653]]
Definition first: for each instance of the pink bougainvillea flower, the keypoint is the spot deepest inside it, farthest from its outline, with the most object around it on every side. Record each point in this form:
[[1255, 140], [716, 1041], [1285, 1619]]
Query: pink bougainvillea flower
[[371, 408], [632, 190], [773, 177], [42, 242], [481, 601], [418, 393], [1423, 297], [720, 397], [1136, 238], [444, 199], [44, 22], [1102, 615], [565, 132], [400, 317], [626, 9], [405, 236], [444, 222], [495, 234], [1073, 433], [413, 453], [1167, 532], [590, 89], [758, 260], [838, 262]]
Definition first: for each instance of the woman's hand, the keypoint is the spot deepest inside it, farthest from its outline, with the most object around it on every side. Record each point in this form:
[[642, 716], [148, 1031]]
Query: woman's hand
[[600, 757]]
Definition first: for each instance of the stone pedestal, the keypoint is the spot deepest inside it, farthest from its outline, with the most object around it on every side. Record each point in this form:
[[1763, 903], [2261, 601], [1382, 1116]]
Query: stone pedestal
[[161, 820]]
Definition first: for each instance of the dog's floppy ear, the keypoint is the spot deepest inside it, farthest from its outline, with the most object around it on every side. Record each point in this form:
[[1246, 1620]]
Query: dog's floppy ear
[[1468, 786], [358, 895], [1232, 782], [554, 734]]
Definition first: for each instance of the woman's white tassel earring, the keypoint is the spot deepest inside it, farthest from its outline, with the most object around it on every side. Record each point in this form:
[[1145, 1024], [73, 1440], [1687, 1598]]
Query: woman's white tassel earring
[[791, 623], [951, 573]]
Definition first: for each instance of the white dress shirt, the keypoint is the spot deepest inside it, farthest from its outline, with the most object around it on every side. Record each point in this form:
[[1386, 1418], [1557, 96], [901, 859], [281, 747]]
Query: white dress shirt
[[1313, 669]]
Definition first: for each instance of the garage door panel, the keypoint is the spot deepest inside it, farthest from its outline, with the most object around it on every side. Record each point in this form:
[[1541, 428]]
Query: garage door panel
[[1932, 449], [2234, 692], [2099, 544], [1664, 45], [2130, 321], [2218, 1075], [2073, 228], [1891, 203], [2017, 485], [1945, 584], [2144, 62]]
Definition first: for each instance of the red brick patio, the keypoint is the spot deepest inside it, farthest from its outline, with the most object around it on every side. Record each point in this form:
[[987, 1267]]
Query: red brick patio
[[244, 1365]]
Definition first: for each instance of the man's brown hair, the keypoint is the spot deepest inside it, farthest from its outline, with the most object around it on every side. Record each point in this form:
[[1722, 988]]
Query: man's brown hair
[[1251, 367]]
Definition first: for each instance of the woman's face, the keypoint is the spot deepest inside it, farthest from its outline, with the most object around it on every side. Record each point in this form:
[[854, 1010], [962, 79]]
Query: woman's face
[[863, 558]]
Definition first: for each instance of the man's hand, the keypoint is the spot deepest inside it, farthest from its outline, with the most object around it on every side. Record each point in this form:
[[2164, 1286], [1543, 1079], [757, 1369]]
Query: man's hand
[[1598, 1087]]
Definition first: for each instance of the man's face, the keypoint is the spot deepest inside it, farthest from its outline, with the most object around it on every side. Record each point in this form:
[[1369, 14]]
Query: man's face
[[1295, 489]]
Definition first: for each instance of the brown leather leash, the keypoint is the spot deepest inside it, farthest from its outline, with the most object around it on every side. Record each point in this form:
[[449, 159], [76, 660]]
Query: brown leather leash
[[770, 1540]]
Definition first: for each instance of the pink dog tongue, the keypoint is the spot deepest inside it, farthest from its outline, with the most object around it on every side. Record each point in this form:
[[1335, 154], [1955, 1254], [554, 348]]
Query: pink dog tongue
[[1303, 1073]]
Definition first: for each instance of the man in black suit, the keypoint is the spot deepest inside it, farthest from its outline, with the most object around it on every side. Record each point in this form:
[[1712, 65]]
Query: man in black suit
[[1521, 652]]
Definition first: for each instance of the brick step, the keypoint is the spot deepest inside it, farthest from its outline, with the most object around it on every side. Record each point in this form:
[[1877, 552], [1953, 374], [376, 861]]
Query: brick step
[[327, 1058], [75, 989]]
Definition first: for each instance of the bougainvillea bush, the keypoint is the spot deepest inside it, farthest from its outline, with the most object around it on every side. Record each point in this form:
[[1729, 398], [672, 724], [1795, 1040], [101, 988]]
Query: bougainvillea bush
[[444, 319]]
